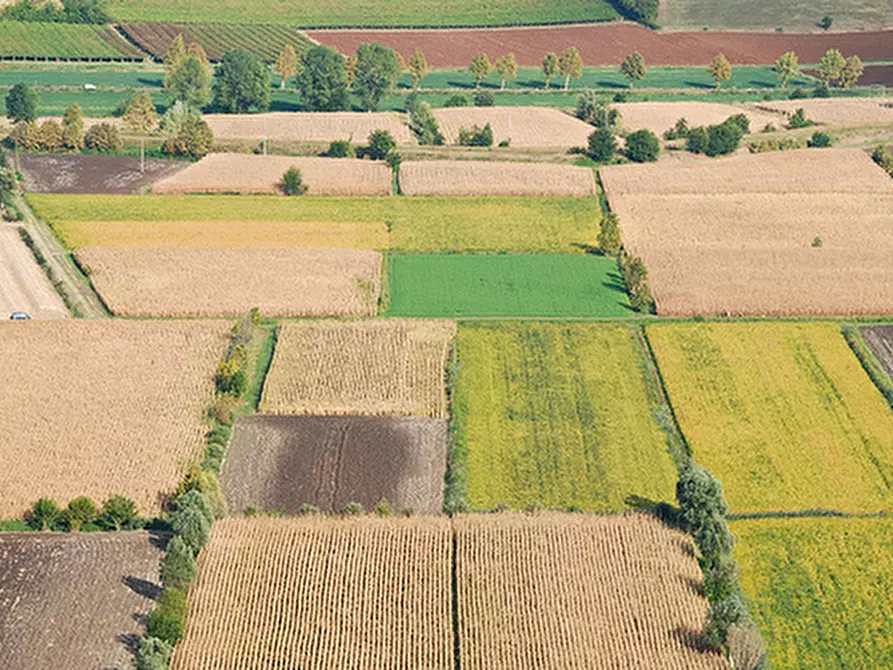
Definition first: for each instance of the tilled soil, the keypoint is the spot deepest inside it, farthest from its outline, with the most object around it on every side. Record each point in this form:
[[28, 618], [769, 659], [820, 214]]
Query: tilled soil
[[880, 339], [51, 173], [279, 462]]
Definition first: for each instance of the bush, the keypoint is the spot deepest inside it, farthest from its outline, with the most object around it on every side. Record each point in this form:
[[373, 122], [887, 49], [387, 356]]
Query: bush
[[80, 511], [51, 136], [381, 143], [635, 275], [352, 509], [698, 140], [642, 146], [884, 158], [214, 454], [740, 121], [194, 139], [609, 240], [43, 515], [103, 137], [178, 565], [798, 120], [746, 647], [383, 508], [293, 182], [643, 11], [602, 145], [820, 140], [720, 618], [231, 378], [339, 149], [798, 94], [484, 99], [723, 139], [679, 131], [153, 654], [821, 91], [476, 136], [117, 512], [457, 100], [25, 135], [206, 483], [192, 519], [424, 124], [167, 621], [221, 410]]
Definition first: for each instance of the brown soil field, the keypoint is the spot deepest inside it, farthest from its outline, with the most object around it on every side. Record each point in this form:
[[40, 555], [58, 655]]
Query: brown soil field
[[229, 282], [735, 236], [877, 74], [318, 593], [283, 462], [75, 600], [245, 173], [309, 126], [609, 44], [660, 116], [103, 407], [23, 285], [837, 111], [880, 339], [486, 178], [524, 126], [368, 367], [568, 591], [48, 173]]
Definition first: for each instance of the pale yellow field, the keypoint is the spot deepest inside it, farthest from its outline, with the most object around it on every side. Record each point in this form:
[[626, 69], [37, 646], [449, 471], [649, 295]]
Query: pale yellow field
[[246, 173], [486, 178], [836, 111], [96, 408], [229, 282], [309, 126], [366, 367], [661, 116], [524, 126]]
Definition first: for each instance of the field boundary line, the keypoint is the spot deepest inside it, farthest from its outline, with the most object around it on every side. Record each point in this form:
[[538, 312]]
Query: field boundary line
[[809, 514], [124, 36]]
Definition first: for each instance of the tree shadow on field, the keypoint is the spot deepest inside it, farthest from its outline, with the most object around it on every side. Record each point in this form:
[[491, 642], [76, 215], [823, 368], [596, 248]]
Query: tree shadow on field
[[143, 587], [689, 637], [665, 512], [699, 84]]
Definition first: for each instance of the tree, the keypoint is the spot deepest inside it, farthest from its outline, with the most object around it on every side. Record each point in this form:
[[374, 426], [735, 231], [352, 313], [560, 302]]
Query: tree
[[80, 511], [381, 143], [323, 80], [376, 75], [424, 124], [851, 72], [746, 647], [720, 69], [884, 158], [418, 67], [194, 138], [293, 182], [8, 184], [830, 66], [141, 114], [507, 68], [550, 67], [21, 104], [178, 565], [350, 64], [73, 128], [479, 68], [167, 621], [609, 240], [642, 146], [826, 22], [192, 519], [242, 84], [287, 64], [43, 514], [602, 145], [103, 137], [117, 512], [51, 135], [570, 65], [723, 138], [197, 51], [190, 83], [592, 110], [633, 67], [153, 654], [819, 140], [635, 275], [174, 55], [720, 617], [787, 67]]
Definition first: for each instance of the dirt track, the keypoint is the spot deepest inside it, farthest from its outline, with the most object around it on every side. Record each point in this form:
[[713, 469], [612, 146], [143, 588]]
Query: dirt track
[[23, 286]]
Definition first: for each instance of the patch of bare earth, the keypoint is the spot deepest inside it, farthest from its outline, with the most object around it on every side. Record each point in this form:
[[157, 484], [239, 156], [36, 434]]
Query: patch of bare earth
[[48, 173], [880, 339], [458, 178]]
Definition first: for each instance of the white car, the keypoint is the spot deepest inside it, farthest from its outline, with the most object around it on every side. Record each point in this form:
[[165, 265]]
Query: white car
[[19, 316], [89, 87]]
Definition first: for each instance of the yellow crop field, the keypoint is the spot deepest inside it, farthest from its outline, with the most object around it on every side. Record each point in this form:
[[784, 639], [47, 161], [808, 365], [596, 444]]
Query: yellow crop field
[[96, 408], [821, 590], [529, 127], [317, 593], [574, 591], [364, 367], [459, 178], [782, 413]]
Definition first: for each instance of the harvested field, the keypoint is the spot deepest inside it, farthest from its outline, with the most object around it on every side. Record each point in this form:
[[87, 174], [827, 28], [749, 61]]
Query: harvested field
[[229, 282], [485, 178], [837, 111], [49, 173], [610, 43], [574, 591], [880, 339], [783, 414], [103, 407], [523, 126], [661, 116], [268, 597], [23, 285], [75, 600], [245, 173], [284, 462], [308, 126], [372, 367]]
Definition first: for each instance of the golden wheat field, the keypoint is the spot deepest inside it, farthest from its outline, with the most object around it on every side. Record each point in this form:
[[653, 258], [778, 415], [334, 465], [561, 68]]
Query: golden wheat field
[[322, 593], [565, 591], [229, 282], [309, 126], [98, 408], [524, 126], [836, 111], [364, 367], [246, 173], [661, 116], [486, 178]]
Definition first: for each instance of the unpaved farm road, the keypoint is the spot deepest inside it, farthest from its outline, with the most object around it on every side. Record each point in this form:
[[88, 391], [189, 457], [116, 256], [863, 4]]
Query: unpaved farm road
[[23, 285]]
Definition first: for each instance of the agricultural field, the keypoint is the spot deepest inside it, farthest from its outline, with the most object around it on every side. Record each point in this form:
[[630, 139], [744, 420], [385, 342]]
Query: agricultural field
[[284, 462], [463, 178], [229, 282], [75, 600], [309, 126], [267, 597], [880, 339], [535, 285], [245, 173], [574, 591], [524, 127], [60, 40], [363, 367], [265, 42], [23, 285], [847, 112], [103, 408], [820, 589], [760, 234], [53, 173], [782, 413], [661, 116], [557, 414]]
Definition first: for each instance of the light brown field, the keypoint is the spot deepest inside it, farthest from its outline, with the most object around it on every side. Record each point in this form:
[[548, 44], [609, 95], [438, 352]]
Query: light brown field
[[661, 116], [485, 178], [97, 408], [23, 285], [229, 282], [377, 367], [246, 173], [317, 593], [836, 111], [569, 591], [309, 126], [524, 126]]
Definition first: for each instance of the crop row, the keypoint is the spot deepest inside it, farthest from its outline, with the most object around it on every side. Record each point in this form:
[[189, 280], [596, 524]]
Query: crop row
[[60, 40]]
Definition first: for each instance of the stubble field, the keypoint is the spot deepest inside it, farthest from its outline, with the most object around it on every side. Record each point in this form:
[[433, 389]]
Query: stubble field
[[23, 285], [308, 126], [661, 116], [846, 112], [468, 178], [528, 127]]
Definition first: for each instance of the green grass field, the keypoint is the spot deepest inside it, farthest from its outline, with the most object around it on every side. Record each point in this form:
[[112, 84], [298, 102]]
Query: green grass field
[[791, 15], [782, 413], [557, 414], [820, 589], [506, 285], [59, 40]]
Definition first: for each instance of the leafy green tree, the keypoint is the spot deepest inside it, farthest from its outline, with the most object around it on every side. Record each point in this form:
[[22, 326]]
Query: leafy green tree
[[381, 143], [787, 67], [51, 135], [21, 104], [43, 514], [192, 519], [178, 565], [424, 124], [596, 112], [720, 617], [507, 67], [194, 138], [602, 145], [167, 621], [242, 84], [798, 119], [642, 146], [8, 184], [826, 22], [287, 64], [174, 55], [609, 240], [723, 138], [720, 69], [103, 137], [350, 66], [153, 654], [376, 74], [293, 182], [73, 128], [852, 71], [480, 68], [570, 65], [323, 80], [830, 66], [633, 67], [819, 140], [418, 67], [117, 512], [550, 67], [141, 114], [190, 83]]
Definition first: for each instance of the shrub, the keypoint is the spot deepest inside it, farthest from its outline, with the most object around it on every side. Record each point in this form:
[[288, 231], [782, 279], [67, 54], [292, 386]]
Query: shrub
[[339, 149], [746, 647], [192, 519], [51, 135], [635, 275], [214, 454], [740, 121], [252, 510], [193, 139], [798, 94], [308, 510], [293, 182], [798, 120], [167, 621], [457, 100], [73, 128], [117, 512], [602, 145], [103, 137], [720, 579], [381, 143], [44, 513], [816, 242], [220, 432], [642, 146], [352, 509], [206, 483], [221, 410], [25, 135], [884, 158], [504, 143], [723, 139], [79, 512], [383, 508], [476, 136], [821, 91], [643, 11], [424, 124], [153, 654], [679, 131], [820, 140], [231, 378], [609, 240], [698, 140], [720, 618], [178, 565], [484, 99]]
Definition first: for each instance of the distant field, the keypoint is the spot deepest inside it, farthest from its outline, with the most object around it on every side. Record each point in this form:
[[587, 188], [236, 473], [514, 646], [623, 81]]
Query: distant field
[[783, 414], [820, 589], [471, 178], [496, 285], [523, 127], [559, 415], [791, 15], [61, 40]]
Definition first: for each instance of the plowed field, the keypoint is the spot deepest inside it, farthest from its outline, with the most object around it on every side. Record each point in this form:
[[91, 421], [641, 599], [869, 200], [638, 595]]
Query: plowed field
[[486, 178], [308, 126], [880, 339], [51, 173], [523, 126]]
